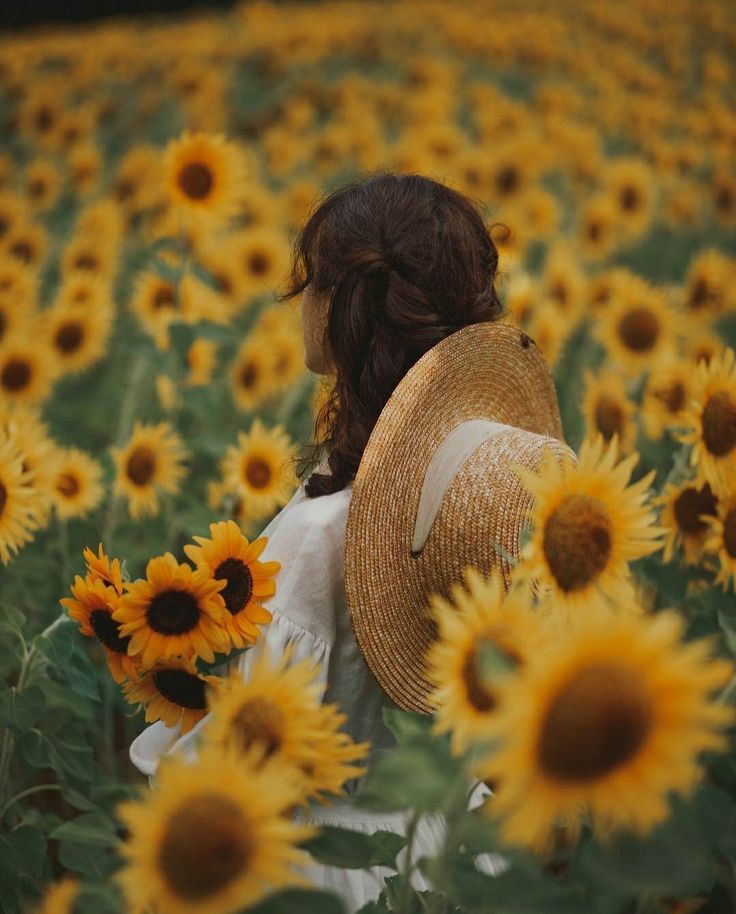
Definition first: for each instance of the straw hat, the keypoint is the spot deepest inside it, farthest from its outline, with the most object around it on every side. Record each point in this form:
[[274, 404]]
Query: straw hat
[[434, 490]]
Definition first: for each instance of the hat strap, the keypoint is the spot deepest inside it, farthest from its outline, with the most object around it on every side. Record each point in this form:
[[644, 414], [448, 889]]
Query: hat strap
[[448, 458]]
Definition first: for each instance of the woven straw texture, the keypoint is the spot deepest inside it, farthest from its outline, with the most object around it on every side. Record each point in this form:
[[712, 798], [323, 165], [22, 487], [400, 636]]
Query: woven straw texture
[[486, 370]]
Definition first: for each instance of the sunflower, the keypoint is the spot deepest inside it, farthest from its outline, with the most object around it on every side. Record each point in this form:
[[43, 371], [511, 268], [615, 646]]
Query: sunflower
[[608, 721], [710, 422], [172, 691], [77, 334], [724, 197], [563, 283], [27, 370], [607, 408], [701, 344], [214, 836], [597, 228], [85, 168], [199, 302], [90, 255], [174, 610], [278, 707], [81, 290], [138, 180], [27, 242], [262, 256], [155, 303], [260, 469], [205, 175], [588, 525], [630, 184], [150, 462], [14, 210], [638, 328], [667, 393], [98, 220], [481, 614], [549, 330], [251, 373], [77, 486], [521, 299], [709, 277], [229, 556], [42, 184], [92, 606], [102, 568], [603, 287], [721, 539], [32, 438], [683, 509], [201, 361], [287, 357], [167, 392], [59, 897], [220, 260], [22, 510]]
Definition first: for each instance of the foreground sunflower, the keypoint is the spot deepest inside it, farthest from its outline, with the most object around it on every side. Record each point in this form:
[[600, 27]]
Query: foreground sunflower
[[278, 708], [483, 615], [588, 525], [213, 836], [608, 721], [172, 691], [710, 421], [259, 469], [174, 610], [230, 557], [684, 509], [92, 606], [59, 897], [151, 462], [107, 570], [205, 175]]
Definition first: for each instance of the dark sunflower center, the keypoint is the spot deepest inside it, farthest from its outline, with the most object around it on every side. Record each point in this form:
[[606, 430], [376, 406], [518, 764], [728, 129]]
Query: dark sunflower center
[[248, 375], [141, 466], [689, 504], [596, 722], [594, 230], [577, 541], [37, 187], [478, 694], [86, 261], [3, 497], [195, 180], [719, 423], [68, 485], [16, 375], [44, 119], [69, 337], [173, 612], [725, 199], [258, 263], [223, 283], [3, 324], [630, 198], [239, 588], [507, 179], [257, 472], [672, 397], [559, 292], [163, 298], [259, 721], [206, 844], [23, 250], [107, 631], [181, 688], [699, 294], [729, 533], [124, 189], [639, 329], [609, 417]]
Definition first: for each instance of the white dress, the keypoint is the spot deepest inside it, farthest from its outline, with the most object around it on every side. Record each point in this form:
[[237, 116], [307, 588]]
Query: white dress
[[309, 610]]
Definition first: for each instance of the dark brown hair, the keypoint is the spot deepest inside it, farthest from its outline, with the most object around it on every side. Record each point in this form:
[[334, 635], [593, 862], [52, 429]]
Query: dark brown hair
[[406, 261]]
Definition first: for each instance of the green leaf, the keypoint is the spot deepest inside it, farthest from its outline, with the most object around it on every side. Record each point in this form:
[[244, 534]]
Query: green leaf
[[21, 710], [59, 645], [67, 751], [305, 901], [93, 828], [408, 778], [22, 856], [97, 899], [355, 850], [407, 726]]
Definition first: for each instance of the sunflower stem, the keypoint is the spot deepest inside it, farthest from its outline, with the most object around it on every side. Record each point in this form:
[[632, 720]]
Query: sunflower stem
[[6, 752], [25, 793]]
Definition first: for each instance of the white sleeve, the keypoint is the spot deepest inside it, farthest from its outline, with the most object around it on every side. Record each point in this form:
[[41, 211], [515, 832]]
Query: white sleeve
[[308, 539]]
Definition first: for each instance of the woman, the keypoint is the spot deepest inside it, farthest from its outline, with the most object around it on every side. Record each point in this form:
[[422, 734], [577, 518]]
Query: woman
[[386, 269]]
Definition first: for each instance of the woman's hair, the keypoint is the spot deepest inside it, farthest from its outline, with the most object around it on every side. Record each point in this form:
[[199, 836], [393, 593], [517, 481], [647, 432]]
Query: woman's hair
[[406, 261]]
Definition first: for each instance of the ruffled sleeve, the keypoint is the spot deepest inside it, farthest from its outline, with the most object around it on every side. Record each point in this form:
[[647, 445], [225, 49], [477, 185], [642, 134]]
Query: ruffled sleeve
[[307, 537]]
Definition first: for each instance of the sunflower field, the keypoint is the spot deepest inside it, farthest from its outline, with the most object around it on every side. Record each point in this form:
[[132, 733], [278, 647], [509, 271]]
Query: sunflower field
[[153, 394]]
